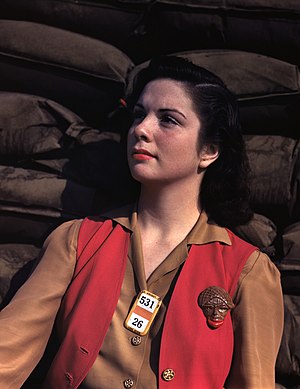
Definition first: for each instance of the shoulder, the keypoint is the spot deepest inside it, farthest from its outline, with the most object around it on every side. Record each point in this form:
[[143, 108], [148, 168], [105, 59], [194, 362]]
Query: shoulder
[[65, 232], [258, 273], [259, 262]]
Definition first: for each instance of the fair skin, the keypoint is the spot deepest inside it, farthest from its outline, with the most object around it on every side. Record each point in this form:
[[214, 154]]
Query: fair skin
[[164, 156]]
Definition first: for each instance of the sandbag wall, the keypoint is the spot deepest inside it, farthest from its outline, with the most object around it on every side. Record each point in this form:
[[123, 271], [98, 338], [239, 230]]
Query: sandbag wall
[[65, 65], [53, 165], [53, 168], [145, 28]]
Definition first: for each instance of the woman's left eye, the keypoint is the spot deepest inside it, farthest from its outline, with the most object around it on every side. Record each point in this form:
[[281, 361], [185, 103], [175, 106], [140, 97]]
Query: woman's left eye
[[169, 120]]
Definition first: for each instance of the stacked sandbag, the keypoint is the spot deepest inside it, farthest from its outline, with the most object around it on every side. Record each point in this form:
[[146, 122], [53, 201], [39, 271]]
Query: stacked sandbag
[[120, 23], [274, 171], [53, 168], [144, 28], [269, 27], [85, 75], [288, 366], [274, 196], [55, 85]]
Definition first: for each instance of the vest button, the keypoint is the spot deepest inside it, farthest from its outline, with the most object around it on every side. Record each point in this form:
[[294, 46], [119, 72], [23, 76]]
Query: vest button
[[136, 340], [128, 383], [168, 374]]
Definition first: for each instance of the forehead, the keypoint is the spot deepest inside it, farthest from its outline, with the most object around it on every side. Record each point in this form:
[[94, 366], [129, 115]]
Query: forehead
[[165, 92], [217, 301]]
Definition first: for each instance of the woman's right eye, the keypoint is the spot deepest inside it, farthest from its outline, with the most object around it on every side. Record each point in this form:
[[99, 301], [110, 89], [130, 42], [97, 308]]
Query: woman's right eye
[[138, 116]]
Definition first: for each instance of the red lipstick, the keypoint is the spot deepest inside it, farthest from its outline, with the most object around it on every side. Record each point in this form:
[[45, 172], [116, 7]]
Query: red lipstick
[[141, 154]]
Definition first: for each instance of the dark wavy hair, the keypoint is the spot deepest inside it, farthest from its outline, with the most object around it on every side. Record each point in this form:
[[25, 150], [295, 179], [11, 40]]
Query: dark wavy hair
[[224, 190]]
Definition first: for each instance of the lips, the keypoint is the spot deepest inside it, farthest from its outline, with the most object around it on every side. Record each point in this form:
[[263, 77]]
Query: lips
[[141, 154], [215, 323]]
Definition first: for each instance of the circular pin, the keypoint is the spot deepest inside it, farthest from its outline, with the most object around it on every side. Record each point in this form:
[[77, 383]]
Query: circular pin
[[168, 374]]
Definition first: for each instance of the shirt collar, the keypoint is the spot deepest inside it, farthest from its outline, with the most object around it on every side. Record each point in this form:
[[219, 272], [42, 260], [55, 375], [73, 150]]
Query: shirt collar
[[204, 231]]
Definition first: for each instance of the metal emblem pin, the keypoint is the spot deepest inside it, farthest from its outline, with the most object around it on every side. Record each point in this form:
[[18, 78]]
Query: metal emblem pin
[[215, 303]]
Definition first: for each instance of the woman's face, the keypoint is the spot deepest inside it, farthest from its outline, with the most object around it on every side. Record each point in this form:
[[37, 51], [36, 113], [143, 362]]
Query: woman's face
[[163, 143]]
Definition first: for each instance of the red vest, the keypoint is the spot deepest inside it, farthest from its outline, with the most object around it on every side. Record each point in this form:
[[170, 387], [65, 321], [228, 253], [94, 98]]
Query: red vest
[[200, 356]]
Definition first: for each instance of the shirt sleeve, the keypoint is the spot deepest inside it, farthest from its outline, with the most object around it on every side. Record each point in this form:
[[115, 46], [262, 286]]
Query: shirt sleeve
[[258, 324], [27, 321]]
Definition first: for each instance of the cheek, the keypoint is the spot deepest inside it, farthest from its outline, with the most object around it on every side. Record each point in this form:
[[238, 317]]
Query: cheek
[[184, 150]]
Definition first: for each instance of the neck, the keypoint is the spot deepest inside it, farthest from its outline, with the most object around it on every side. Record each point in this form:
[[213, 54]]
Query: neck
[[169, 207]]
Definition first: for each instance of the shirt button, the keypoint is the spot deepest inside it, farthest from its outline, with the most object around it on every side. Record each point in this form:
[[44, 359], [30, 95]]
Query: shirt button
[[168, 374], [136, 340], [128, 383]]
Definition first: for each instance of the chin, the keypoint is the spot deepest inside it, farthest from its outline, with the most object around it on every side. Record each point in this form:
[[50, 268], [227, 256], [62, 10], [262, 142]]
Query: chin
[[139, 173]]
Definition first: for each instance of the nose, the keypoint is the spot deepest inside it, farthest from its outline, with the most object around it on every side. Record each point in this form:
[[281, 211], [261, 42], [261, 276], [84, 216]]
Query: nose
[[143, 129]]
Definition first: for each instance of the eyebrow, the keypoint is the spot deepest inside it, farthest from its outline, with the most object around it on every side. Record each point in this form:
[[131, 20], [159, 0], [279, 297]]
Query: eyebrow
[[138, 105], [172, 110]]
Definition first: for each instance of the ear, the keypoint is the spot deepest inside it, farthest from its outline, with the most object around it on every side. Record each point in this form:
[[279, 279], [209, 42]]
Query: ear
[[208, 154]]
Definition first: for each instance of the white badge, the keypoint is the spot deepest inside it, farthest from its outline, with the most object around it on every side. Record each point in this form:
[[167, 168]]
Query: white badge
[[143, 312]]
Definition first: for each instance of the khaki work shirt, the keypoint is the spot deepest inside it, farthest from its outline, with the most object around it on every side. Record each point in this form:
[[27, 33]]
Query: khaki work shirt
[[125, 359]]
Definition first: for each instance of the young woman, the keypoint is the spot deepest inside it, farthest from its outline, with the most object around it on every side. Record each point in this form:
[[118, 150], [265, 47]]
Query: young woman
[[159, 294]]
